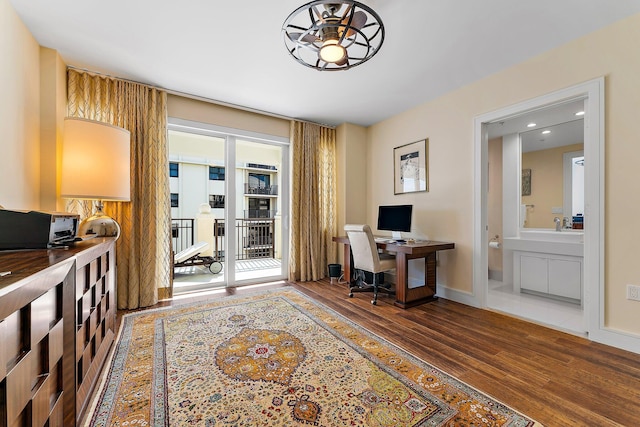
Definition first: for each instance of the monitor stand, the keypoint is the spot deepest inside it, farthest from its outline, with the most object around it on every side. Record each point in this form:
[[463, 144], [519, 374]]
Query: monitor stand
[[396, 235]]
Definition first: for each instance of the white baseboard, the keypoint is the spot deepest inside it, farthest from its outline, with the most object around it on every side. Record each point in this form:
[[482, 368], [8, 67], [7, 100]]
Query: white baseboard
[[456, 295], [614, 338], [442, 291]]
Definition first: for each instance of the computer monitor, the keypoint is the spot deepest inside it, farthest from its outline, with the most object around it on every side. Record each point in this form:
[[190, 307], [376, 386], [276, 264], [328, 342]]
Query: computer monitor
[[395, 218]]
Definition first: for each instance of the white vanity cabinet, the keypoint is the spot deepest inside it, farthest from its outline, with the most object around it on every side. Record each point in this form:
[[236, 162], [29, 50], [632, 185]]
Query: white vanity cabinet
[[550, 274]]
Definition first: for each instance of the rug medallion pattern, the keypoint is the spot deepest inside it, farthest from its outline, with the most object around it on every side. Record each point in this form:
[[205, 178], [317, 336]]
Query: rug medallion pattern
[[277, 359]]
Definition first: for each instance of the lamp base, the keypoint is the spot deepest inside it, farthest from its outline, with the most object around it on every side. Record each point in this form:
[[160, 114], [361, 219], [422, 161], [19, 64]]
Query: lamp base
[[99, 225]]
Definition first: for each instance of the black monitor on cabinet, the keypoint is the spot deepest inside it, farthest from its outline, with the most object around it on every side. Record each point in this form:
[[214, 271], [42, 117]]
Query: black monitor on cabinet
[[395, 218]]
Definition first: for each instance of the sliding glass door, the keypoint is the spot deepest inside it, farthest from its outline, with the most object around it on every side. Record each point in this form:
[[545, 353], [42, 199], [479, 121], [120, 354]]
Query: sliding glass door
[[230, 202]]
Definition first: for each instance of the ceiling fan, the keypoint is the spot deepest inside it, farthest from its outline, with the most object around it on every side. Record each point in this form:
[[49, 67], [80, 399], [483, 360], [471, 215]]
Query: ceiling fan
[[335, 33]]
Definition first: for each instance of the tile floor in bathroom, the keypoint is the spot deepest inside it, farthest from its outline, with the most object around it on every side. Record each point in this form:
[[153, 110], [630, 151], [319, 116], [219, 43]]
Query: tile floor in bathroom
[[560, 315]]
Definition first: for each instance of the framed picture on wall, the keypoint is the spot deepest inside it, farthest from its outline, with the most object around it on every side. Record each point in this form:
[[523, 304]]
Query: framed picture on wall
[[526, 182], [410, 167]]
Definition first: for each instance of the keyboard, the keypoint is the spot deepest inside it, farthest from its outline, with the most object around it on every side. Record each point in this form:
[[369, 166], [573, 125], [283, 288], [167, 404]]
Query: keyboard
[[383, 240]]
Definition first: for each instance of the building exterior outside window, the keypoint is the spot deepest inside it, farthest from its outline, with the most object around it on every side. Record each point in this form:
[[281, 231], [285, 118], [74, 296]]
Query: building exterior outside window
[[259, 208], [173, 170], [216, 201], [216, 173], [259, 180]]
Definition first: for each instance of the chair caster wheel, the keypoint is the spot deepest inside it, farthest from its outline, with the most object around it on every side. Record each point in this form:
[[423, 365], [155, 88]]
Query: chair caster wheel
[[374, 302], [350, 295]]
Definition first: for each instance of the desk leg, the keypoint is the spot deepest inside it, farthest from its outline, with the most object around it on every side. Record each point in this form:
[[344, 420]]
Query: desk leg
[[401, 279], [406, 297], [346, 258], [430, 273]]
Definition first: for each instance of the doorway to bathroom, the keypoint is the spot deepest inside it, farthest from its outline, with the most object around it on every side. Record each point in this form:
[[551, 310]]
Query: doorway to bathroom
[[539, 259], [533, 147]]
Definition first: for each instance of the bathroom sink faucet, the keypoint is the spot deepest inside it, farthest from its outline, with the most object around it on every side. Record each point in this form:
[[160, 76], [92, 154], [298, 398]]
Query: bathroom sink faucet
[[558, 223]]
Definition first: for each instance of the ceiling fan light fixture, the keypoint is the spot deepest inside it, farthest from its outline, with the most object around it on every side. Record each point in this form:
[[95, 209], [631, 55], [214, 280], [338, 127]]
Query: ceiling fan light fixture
[[333, 35], [332, 51]]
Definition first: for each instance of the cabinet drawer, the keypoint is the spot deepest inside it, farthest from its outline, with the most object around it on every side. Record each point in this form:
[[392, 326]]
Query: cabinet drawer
[[565, 278], [534, 273]]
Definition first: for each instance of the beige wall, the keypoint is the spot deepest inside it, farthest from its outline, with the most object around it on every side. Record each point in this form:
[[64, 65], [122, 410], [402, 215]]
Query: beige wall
[[494, 204], [351, 185], [205, 112], [547, 178], [446, 211], [53, 110], [19, 113]]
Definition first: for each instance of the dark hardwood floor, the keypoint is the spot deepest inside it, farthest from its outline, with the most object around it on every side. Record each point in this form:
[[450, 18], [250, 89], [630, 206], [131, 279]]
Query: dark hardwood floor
[[556, 378]]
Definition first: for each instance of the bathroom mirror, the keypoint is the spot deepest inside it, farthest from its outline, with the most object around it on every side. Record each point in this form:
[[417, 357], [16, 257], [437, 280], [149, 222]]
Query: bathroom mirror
[[551, 152], [555, 162]]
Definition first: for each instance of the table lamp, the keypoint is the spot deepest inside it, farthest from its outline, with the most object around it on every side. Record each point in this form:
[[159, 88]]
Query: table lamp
[[96, 166]]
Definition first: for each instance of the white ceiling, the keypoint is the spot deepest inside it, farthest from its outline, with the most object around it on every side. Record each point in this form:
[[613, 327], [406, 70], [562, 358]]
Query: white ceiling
[[232, 51]]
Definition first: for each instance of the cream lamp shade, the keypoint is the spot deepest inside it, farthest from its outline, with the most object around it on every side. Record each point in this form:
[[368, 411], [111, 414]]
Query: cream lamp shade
[[96, 166]]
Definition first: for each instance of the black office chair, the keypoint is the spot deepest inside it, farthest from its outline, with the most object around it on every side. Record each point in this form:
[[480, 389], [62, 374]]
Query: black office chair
[[366, 258]]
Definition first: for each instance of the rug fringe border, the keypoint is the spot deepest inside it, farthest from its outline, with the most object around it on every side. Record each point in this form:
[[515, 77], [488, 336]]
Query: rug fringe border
[[102, 382]]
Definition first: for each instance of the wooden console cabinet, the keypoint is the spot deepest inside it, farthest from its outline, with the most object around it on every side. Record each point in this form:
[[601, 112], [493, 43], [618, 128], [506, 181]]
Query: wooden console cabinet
[[57, 321], [95, 314]]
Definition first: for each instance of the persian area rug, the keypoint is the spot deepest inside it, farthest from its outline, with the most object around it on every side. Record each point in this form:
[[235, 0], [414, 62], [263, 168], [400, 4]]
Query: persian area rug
[[276, 359]]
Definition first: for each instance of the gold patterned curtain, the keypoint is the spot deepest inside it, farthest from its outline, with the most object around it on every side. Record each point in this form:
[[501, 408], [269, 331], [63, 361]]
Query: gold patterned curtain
[[313, 219], [143, 251]]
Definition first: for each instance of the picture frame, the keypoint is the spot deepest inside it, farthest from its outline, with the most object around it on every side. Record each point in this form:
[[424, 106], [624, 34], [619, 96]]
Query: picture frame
[[526, 182], [410, 167]]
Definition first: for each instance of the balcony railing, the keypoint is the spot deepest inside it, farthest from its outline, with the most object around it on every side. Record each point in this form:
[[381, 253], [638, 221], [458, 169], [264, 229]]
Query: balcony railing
[[268, 190], [181, 233], [254, 237]]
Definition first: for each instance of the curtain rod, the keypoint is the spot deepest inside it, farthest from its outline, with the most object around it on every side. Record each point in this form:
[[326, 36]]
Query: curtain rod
[[202, 98]]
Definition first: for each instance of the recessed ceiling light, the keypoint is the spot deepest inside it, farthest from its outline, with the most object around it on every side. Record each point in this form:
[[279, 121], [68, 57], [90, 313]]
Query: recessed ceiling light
[[546, 132], [580, 113], [531, 125]]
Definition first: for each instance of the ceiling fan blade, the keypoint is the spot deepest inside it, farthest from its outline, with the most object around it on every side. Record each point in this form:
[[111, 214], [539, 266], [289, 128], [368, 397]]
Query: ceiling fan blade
[[309, 38], [358, 21]]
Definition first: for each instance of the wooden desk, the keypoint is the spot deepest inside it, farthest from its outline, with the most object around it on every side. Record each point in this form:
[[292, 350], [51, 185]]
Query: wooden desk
[[406, 297]]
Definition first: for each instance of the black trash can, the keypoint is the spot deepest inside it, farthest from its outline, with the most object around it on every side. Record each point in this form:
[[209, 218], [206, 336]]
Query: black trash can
[[335, 271]]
